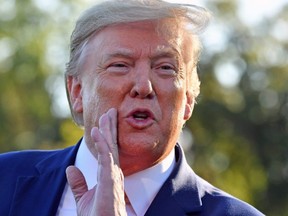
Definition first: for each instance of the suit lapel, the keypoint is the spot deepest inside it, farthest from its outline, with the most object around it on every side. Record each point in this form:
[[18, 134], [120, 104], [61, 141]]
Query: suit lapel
[[179, 195], [42, 192]]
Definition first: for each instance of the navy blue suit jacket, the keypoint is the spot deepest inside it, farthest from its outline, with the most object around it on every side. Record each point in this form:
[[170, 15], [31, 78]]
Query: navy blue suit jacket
[[32, 182]]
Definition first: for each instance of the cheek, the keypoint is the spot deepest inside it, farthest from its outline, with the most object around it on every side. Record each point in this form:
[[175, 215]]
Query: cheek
[[173, 107], [92, 101], [175, 95], [103, 94], [110, 91]]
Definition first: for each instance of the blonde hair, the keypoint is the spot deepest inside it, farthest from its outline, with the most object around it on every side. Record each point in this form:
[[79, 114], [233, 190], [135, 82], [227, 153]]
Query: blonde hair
[[113, 12]]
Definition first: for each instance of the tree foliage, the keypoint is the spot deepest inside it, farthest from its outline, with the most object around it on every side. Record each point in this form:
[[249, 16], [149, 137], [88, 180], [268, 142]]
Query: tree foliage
[[239, 126]]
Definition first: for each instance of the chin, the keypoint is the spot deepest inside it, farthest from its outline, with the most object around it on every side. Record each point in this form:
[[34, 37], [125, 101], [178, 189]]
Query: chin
[[138, 147]]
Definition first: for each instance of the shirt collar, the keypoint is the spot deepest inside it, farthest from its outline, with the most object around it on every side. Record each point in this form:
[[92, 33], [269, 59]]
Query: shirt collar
[[142, 187], [87, 163], [146, 182]]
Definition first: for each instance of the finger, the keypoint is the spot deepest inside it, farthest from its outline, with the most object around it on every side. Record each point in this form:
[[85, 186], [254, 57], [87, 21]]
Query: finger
[[110, 186], [104, 157], [112, 113], [105, 127], [108, 128], [100, 142], [76, 182]]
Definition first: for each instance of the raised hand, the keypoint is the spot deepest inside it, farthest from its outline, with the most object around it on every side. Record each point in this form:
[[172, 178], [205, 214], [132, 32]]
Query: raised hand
[[107, 197]]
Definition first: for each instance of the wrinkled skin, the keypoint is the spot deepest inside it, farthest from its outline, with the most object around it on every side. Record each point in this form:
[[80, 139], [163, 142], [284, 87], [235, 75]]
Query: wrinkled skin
[[107, 197], [141, 75]]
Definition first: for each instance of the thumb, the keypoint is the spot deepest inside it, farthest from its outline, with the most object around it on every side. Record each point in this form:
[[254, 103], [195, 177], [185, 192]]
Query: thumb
[[76, 182]]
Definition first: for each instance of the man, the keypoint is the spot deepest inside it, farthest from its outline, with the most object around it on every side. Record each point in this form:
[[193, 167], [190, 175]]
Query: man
[[131, 83]]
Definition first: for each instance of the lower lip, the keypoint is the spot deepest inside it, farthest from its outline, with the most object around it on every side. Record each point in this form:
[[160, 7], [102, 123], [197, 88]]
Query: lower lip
[[139, 123]]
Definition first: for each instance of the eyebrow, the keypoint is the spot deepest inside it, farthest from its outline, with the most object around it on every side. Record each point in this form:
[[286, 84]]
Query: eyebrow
[[124, 53], [166, 52]]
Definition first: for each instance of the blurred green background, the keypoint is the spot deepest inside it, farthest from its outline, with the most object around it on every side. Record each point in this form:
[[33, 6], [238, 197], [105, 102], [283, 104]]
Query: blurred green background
[[237, 137]]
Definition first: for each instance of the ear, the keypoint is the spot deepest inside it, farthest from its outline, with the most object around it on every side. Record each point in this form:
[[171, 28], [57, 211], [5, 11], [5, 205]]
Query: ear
[[74, 89], [189, 105]]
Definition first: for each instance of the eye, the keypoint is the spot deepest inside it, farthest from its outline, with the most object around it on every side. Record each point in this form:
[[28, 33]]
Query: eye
[[166, 69], [118, 67]]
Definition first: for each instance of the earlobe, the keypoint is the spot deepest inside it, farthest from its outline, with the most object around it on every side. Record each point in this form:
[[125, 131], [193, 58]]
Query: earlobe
[[74, 89], [189, 105]]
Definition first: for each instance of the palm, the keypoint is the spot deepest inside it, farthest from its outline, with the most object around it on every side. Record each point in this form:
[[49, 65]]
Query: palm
[[107, 197]]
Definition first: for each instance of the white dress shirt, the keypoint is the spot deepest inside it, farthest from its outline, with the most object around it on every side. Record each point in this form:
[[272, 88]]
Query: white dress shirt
[[141, 187]]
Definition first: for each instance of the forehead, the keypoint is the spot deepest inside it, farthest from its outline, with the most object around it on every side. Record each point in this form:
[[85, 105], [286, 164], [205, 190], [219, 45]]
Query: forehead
[[139, 35]]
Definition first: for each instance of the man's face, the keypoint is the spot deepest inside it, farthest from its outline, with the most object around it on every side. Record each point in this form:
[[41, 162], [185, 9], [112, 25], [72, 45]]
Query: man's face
[[132, 68]]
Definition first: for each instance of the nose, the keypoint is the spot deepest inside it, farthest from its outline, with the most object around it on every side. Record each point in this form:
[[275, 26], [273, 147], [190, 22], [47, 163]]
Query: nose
[[142, 85]]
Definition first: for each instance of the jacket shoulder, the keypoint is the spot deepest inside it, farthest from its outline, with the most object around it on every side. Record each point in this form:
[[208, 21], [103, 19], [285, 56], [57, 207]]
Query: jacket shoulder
[[217, 202], [23, 171], [25, 162]]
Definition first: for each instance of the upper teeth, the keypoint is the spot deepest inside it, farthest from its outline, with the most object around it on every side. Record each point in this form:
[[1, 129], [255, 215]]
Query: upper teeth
[[140, 115]]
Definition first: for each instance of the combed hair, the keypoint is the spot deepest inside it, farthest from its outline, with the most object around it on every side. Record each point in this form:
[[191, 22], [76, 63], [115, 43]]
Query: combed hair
[[113, 12]]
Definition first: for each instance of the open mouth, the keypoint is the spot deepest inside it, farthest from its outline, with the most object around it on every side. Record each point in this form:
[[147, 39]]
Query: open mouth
[[140, 118], [141, 115]]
